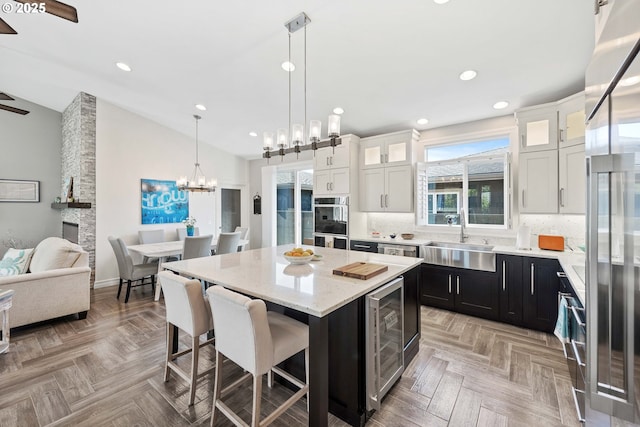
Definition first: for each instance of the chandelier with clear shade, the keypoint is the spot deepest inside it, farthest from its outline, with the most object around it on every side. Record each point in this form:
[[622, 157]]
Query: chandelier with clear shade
[[299, 140], [198, 182]]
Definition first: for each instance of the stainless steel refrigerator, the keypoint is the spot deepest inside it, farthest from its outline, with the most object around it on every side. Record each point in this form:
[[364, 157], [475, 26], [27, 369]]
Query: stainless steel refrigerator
[[612, 371]]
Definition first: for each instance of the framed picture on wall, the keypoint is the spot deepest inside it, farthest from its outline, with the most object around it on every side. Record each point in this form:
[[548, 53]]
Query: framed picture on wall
[[19, 191], [162, 203]]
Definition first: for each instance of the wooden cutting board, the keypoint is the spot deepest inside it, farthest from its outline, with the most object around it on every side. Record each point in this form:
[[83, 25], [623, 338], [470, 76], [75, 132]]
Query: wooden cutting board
[[360, 270]]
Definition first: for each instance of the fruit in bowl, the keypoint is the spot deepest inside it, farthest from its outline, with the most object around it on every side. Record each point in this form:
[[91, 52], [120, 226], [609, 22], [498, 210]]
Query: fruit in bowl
[[298, 255]]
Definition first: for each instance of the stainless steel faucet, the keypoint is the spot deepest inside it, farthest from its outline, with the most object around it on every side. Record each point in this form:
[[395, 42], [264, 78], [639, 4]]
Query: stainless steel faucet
[[462, 235]]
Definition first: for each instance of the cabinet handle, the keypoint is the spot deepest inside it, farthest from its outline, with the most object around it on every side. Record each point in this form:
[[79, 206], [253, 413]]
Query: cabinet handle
[[523, 198], [331, 160], [504, 275], [449, 283], [386, 200], [327, 160], [533, 275], [386, 158], [458, 285], [382, 200], [522, 139], [332, 186], [562, 197], [381, 158], [361, 246], [560, 137], [327, 186]]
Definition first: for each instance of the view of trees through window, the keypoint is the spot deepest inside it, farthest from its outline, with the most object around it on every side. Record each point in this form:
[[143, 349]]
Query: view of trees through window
[[471, 176]]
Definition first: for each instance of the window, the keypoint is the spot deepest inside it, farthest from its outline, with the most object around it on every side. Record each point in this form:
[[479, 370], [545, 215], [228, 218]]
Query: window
[[473, 176], [294, 215]]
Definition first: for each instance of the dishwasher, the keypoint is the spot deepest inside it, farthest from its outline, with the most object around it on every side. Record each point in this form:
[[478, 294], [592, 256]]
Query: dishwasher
[[400, 250], [384, 340]]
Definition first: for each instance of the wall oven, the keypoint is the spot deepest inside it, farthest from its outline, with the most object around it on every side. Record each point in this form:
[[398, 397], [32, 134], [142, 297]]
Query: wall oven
[[331, 215]]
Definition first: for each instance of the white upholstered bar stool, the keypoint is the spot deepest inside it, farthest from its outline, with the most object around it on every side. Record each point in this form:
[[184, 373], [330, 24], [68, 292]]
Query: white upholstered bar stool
[[268, 338], [188, 310]]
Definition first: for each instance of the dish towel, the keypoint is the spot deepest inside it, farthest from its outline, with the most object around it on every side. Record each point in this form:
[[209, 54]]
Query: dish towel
[[562, 324]]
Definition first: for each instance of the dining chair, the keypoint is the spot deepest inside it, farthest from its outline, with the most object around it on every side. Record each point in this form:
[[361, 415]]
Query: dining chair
[[187, 309], [197, 247], [244, 232], [182, 232], [129, 271], [269, 338], [227, 243]]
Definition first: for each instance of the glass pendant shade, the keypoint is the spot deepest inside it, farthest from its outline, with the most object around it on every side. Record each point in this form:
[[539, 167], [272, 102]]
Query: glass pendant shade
[[283, 138], [334, 126], [315, 127], [297, 134], [267, 143]]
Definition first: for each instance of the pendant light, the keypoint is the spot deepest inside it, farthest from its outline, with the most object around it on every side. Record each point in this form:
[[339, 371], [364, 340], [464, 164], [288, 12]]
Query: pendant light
[[293, 139], [198, 182]]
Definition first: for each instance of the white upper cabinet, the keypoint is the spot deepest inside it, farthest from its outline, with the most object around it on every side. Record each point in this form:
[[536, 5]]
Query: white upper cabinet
[[387, 189], [334, 157], [571, 120], [538, 181], [538, 128], [572, 179], [331, 182], [392, 149]]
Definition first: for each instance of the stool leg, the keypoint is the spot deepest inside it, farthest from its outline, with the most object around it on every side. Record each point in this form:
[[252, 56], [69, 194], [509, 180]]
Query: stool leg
[[257, 395], [216, 387], [169, 351], [195, 346]]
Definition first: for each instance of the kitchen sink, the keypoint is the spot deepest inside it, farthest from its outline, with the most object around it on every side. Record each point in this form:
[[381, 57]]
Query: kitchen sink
[[460, 255]]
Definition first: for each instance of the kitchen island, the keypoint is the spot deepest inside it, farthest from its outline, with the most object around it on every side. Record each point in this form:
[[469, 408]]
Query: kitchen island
[[332, 306]]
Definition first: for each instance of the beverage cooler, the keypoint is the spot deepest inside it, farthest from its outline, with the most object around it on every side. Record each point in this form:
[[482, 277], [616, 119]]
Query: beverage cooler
[[384, 340]]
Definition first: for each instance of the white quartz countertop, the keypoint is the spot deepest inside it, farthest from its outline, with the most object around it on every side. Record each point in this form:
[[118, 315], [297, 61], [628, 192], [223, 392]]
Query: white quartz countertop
[[310, 288]]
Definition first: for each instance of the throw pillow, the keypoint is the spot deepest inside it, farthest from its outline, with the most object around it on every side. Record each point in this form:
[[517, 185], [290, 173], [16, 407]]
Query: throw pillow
[[15, 261], [53, 253]]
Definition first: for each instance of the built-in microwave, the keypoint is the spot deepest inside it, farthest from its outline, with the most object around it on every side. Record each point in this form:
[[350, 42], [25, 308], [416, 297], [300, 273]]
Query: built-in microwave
[[331, 215]]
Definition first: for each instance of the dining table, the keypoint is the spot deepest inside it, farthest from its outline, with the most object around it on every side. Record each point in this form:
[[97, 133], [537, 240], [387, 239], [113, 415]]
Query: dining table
[[312, 292], [172, 248]]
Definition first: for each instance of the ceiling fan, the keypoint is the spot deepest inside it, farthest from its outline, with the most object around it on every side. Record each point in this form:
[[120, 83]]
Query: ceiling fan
[[53, 7], [5, 97]]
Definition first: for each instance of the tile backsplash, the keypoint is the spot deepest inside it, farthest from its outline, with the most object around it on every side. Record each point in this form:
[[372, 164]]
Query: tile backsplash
[[572, 227]]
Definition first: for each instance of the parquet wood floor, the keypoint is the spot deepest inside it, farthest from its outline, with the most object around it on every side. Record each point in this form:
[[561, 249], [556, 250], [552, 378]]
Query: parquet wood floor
[[107, 371]]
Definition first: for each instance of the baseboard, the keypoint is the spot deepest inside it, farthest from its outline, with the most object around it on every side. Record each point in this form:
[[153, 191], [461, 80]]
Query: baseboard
[[106, 283]]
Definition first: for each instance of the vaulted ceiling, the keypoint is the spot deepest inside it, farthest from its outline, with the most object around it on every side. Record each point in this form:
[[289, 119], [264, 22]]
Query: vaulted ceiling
[[386, 63]]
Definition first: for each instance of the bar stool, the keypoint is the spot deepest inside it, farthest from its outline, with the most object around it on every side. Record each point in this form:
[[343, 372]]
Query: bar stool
[[268, 338], [188, 310]]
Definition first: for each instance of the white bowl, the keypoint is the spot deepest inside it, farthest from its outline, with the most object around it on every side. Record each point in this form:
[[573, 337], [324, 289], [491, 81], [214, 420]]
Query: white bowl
[[298, 259]]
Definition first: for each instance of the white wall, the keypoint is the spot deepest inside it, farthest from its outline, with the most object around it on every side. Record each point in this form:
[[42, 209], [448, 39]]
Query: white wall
[[130, 147], [30, 147]]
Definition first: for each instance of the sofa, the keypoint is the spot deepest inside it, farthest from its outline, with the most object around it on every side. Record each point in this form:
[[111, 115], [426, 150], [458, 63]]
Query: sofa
[[57, 283]]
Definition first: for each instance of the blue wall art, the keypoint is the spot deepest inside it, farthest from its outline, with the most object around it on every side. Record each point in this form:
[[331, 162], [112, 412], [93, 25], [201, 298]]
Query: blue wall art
[[162, 202]]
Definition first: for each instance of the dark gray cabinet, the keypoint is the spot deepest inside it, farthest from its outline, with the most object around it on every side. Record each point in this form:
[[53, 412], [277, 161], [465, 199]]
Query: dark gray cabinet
[[529, 291], [465, 291], [363, 246]]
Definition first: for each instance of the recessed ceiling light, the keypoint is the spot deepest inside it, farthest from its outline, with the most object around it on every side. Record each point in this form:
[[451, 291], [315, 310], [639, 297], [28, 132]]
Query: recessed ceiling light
[[123, 66], [630, 81], [201, 107], [422, 121], [440, 1], [468, 75], [338, 110], [500, 105], [288, 66], [253, 134]]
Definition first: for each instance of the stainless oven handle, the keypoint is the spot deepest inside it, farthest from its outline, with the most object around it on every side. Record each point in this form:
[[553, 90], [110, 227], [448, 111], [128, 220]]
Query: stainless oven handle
[[574, 346]]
